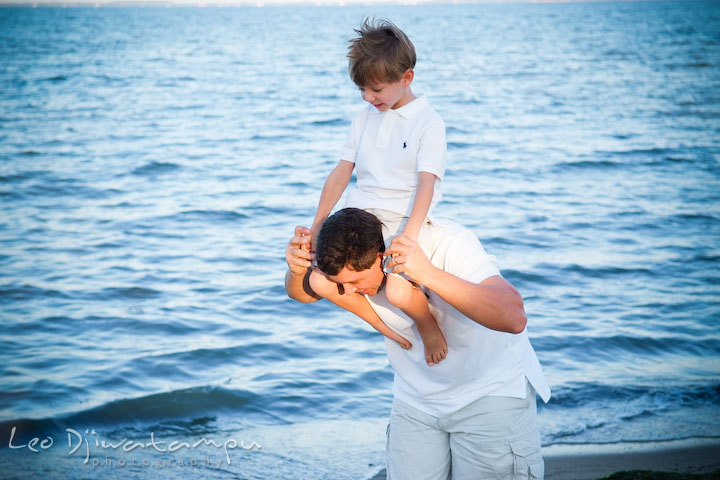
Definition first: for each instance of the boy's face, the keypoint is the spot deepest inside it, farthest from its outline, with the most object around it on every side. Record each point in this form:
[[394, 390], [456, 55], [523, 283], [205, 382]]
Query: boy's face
[[366, 282], [385, 96]]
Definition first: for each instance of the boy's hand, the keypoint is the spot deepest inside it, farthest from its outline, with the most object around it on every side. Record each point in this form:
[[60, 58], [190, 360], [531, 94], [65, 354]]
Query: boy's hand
[[313, 236], [408, 258], [297, 254]]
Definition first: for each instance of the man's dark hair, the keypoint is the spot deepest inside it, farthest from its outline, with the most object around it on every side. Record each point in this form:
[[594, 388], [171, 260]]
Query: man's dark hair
[[349, 237]]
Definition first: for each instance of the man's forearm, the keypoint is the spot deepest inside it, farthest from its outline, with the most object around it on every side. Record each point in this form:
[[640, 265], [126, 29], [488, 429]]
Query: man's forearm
[[493, 303], [298, 287]]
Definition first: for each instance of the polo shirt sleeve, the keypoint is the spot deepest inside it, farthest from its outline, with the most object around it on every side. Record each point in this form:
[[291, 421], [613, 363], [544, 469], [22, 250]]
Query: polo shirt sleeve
[[432, 150], [349, 150]]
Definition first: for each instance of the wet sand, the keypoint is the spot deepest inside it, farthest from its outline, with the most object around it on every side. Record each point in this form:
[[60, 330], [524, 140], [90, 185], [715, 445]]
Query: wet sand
[[590, 462]]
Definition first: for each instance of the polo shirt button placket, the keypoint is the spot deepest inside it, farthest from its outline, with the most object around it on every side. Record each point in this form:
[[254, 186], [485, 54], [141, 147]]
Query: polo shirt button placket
[[386, 126]]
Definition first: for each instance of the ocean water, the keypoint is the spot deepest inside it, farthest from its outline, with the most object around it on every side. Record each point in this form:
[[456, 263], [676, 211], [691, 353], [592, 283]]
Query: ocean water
[[153, 164]]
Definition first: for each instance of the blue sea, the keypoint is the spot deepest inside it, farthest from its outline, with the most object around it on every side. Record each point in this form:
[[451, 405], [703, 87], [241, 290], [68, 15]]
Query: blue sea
[[153, 165]]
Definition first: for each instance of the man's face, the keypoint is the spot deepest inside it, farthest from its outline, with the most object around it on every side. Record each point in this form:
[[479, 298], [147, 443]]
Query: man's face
[[366, 282]]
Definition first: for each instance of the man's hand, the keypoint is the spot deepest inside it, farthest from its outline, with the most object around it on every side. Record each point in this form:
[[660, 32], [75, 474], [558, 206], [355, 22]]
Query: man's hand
[[408, 258], [493, 303], [297, 254]]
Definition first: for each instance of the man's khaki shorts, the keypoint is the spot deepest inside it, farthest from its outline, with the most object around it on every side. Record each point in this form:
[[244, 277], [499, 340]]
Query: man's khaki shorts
[[492, 438]]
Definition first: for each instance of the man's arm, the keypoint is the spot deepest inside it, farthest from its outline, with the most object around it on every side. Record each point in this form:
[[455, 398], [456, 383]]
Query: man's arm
[[493, 303], [299, 260]]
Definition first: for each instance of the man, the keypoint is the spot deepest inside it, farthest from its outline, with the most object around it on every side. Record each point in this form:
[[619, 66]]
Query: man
[[473, 415]]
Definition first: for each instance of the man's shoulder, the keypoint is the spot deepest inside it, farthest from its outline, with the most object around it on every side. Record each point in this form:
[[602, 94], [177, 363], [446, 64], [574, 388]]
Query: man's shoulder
[[448, 230], [456, 248]]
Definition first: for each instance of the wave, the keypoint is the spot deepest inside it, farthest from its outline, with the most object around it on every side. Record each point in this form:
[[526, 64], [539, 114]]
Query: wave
[[588, 164], [190, 407], [577, 394], [28, 292], [460, 145], [640, 413], [606, 159], [57, 187], [204, 216], [155, 168], [277, 398], [612, 347], [331, 122], [521, 277], [601, 271], [134, 293], [55, 79]]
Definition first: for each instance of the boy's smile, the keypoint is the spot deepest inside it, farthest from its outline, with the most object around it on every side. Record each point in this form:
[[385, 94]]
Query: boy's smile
[[386, 96]]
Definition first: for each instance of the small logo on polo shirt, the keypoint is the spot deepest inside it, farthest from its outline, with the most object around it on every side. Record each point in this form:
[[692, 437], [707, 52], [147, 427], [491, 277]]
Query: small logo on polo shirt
[[404, 144]]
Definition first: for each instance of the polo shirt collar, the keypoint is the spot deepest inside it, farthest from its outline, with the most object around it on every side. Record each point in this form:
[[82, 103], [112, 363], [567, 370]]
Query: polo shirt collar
[[413, 108]]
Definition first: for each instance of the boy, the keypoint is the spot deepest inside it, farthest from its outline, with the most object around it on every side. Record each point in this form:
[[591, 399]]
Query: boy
[[398, 146]]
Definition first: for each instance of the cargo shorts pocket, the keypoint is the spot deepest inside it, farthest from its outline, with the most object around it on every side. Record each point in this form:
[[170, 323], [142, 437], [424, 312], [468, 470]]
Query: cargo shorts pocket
[[528, 463]]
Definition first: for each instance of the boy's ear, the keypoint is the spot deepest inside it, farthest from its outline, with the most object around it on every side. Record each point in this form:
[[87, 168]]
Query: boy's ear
[[407, 77]]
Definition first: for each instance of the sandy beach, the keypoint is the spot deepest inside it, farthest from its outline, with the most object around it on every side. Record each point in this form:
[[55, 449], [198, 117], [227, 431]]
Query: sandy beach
[[591, 462], [586, 462]]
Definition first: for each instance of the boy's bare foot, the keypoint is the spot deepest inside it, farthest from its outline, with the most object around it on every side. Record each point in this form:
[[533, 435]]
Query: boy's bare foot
[[435, 345]]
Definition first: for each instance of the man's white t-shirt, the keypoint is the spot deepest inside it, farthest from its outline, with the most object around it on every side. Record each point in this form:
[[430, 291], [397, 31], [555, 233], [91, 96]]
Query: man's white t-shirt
[[480, 361], [389, 149]]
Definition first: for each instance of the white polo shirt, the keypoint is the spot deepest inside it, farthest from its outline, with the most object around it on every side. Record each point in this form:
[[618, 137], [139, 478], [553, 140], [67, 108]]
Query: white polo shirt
[[479, 361], [389, 149]]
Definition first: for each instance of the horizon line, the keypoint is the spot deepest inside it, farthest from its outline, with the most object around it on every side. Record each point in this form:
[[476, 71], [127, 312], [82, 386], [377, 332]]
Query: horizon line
[[263, 3]]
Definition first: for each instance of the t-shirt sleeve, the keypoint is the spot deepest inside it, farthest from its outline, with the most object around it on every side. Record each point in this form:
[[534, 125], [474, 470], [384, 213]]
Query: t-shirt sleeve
[[432, 150], [466, 258]]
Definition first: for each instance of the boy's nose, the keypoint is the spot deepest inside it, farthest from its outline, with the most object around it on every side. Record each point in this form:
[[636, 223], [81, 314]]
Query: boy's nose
[[367, 97], [349, 289]]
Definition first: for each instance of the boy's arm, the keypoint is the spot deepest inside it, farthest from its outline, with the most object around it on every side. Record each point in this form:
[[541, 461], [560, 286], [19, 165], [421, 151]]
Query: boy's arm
[[298, 258], [421, 205], [333, 189]]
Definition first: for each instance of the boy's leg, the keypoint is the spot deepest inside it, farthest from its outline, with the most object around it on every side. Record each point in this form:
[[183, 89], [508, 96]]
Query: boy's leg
[[356, 304], [401, 293], [417, 448]]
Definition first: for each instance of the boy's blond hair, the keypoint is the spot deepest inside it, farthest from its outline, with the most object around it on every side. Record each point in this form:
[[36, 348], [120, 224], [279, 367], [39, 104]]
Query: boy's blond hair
[[380, 54]]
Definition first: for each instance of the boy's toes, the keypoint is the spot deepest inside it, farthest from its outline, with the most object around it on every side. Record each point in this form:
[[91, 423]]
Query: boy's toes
[[433, 359]]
